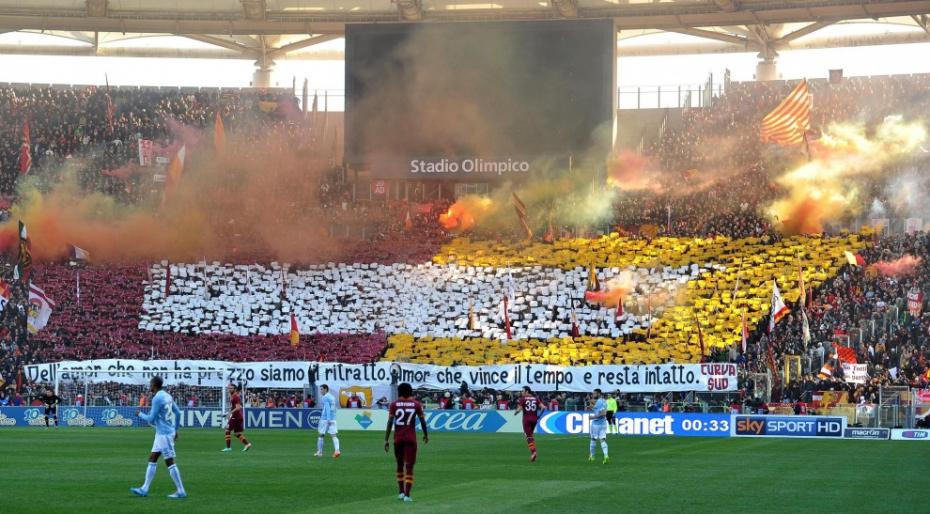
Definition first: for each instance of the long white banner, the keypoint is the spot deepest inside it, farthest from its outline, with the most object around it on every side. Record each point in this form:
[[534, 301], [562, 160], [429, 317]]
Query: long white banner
[[297, 374]]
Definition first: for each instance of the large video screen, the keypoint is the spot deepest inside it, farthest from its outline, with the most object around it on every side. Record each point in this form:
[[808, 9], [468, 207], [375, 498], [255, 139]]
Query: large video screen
[[476, 101]]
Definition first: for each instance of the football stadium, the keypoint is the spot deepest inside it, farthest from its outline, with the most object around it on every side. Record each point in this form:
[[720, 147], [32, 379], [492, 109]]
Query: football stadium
[[442, 256]]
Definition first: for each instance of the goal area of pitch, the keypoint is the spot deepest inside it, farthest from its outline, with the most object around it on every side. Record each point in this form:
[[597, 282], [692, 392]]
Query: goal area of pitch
[[131, 391]]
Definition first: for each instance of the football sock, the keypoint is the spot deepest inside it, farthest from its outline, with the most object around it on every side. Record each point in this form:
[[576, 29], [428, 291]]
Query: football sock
[[46, 421], [149, 475], [531, 442], [336, 443], [400, 482], [242, 439], [176, 477], [593, 447], [319, 444], [228, 439], [604, 448], [408, 483]]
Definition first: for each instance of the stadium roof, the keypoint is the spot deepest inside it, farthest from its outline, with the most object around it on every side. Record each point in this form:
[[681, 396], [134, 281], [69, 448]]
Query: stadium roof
[[266, 30]]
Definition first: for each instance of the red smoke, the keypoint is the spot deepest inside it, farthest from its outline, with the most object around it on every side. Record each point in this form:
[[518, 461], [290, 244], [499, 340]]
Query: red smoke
[[904, 266]]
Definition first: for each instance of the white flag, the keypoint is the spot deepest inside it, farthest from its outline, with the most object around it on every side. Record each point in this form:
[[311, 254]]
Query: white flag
[[40, 309], [779, 309]]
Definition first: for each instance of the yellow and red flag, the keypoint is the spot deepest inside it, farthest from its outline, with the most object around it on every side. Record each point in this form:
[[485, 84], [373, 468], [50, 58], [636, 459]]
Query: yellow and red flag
[[295, 332], [787, 124]]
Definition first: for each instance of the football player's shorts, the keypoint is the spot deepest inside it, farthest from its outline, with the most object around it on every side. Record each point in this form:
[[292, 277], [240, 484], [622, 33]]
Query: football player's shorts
[[328, 427], [164, 444]]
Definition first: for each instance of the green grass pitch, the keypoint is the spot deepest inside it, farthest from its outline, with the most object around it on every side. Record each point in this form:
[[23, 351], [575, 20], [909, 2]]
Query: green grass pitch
[[91, 470]]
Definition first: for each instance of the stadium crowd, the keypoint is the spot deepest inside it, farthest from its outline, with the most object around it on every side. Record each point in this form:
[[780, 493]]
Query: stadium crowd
[[858, 307]]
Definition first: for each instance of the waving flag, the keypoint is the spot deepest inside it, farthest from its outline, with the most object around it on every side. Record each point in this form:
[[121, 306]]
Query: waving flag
[[175, 170], [802, 298], [700, 335], [167, 279], [295, 332], [779, 309], [846, 354], [25, 151], [745, 331], [110, 109], [6, 291], [77, 253], [787, 124], [40, 309], [219, 135], [826, 371], [520, 208], [805, 328], [24, 263], [506, 309], [593, 283], [408, 222], [854, 259]]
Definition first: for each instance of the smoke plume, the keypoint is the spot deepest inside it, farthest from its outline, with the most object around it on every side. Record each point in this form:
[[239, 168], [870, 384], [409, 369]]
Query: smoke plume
[[848, 158]]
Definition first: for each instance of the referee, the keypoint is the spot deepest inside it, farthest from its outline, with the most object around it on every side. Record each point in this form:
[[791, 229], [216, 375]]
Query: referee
[[611, 410], [51, 400]]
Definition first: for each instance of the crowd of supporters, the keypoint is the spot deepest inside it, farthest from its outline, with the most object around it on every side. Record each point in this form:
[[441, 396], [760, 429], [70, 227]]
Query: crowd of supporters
[[703, 193]]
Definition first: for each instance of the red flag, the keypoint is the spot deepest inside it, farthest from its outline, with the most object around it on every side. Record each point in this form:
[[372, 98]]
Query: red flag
[[295, 332], [283, 284], [25, 151], [619, 313], [408, 222], [168, 280], [507, 318], [772, 365], [19, 380], [846, 354], [549, 236], [700, 335], [745, 330], [801, 288], [109, 104]]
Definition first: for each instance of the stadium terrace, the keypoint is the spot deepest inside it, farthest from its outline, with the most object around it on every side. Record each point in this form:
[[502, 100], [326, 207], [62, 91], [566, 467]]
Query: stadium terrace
[[289, 291]]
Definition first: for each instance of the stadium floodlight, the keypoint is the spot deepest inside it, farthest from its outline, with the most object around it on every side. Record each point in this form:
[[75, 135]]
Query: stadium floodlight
[[565, 8], [97, 8], [253, 9], [410, 10]]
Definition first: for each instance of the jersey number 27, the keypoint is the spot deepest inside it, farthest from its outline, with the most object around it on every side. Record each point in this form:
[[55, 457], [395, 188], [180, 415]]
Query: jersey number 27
[[403, 417]]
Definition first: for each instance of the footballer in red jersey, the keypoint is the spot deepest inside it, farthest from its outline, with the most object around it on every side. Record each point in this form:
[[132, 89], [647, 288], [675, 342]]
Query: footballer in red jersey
[[531, 407], [236, 423], [401, 414]]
